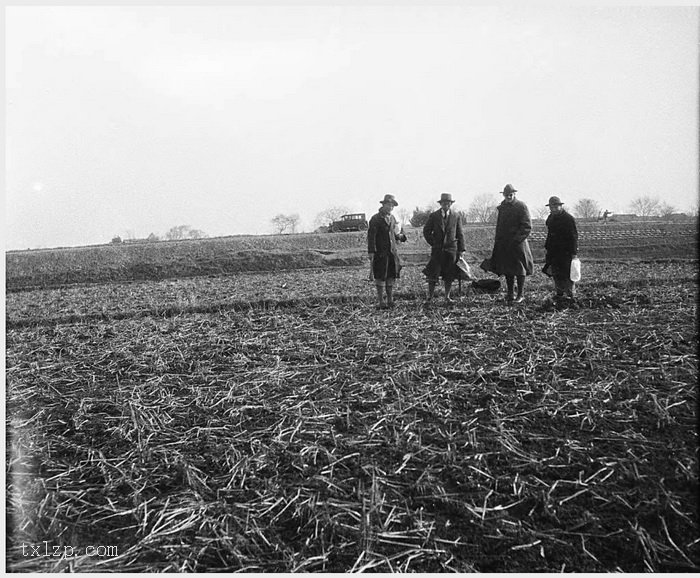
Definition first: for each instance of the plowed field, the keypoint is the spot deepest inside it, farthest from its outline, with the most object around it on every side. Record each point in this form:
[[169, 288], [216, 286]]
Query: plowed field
[[277, 422]]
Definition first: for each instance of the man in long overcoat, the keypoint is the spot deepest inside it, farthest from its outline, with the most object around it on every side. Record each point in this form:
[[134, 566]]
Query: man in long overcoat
[[561, 247], [511, 251], [382, 234], [443, 232]]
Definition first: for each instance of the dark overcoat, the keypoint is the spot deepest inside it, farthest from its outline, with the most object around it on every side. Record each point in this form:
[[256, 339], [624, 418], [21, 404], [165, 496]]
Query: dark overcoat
[[561, 244], [511, 250], [382, 241], [446, 240]]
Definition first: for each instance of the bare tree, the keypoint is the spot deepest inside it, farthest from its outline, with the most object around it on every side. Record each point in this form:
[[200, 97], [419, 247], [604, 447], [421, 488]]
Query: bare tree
[[541, 212], [587, 209], [184, 232], [645, 206], [327, 216], [197, 234], [177, 233], [483, 208], [666, 210], [285, 224], [293, 222], [403, 215]]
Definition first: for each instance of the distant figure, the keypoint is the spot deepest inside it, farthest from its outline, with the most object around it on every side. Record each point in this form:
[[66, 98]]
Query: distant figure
[[443, 232], [511, 254], [605, 216], [561, 247], [385, 265]]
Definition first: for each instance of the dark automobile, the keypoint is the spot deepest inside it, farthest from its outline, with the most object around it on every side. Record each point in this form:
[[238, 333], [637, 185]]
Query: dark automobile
[[353, 222]]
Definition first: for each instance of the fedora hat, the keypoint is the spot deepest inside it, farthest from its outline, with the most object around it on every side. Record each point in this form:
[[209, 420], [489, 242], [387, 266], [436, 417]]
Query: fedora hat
[[389, 199], [509, 189], [446, 197], [554, 201]]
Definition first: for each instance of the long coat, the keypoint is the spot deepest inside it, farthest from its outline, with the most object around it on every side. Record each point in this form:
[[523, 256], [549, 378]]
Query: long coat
[[446, 240], [511, 250], [561, 244], [381, 240]]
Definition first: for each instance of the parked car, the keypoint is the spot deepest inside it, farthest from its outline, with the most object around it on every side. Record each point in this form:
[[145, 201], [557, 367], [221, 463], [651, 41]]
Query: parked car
[[353, 222]]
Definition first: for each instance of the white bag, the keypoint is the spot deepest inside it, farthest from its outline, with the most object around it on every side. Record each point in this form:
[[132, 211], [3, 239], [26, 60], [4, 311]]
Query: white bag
[[465, 270], [575, 271]]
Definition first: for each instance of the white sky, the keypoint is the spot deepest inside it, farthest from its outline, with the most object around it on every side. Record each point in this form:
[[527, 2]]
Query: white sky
[[129, 120]]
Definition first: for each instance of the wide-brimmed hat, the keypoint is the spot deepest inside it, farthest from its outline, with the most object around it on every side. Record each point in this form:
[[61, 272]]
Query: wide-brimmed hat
[[554, 201], [509, 189], [446, 197], [389, 199]]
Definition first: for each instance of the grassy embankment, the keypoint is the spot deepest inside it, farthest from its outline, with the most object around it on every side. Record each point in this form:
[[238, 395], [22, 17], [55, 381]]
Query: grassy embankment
[[227, 255]]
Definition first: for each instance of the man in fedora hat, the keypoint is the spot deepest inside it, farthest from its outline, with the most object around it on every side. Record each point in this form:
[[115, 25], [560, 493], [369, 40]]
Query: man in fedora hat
[[561, 247], [382, 235], [511, 254], [443, 232]]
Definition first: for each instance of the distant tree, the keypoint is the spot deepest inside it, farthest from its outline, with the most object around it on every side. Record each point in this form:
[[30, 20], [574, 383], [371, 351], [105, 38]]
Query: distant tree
[[152, 238], [694, 210], [197, 234], [403, 215], [420, 216], [293, 222], [116, 240], [483, 208], [177, 233], [183, 232], [586, 209], [645, 206], [666, 210], [541, 212], [283, 224], [327, 216]]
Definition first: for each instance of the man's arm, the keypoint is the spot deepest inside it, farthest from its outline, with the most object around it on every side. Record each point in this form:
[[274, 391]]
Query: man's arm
[[429, 230]]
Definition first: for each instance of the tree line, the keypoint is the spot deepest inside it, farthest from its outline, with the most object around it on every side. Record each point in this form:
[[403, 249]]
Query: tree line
[[482, 209], [177, 233]]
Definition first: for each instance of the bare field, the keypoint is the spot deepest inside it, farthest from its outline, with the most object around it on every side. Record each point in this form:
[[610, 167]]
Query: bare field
[[277, 422]]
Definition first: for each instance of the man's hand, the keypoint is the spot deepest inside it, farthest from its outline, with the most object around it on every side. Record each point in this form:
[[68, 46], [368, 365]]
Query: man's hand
[[371, 256]]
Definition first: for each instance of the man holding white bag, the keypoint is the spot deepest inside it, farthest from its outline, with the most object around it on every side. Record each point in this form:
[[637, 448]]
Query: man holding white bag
[[562, 248]]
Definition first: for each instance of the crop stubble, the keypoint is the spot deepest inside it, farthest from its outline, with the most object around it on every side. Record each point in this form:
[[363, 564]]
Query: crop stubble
[[321, 435]]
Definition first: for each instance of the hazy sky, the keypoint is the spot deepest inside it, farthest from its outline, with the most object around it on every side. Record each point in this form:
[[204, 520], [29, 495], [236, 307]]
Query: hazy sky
[[130, 120]]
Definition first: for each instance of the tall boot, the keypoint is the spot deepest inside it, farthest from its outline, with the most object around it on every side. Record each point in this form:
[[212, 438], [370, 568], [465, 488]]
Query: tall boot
[[389, 295], [448, 290], [431, 290], [521, 289], [510, 281], [380, 297]]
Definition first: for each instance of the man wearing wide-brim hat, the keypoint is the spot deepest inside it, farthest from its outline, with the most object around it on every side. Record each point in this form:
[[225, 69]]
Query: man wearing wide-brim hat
[[443, 232], [511, 254], [382, 235], [561, 247]]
